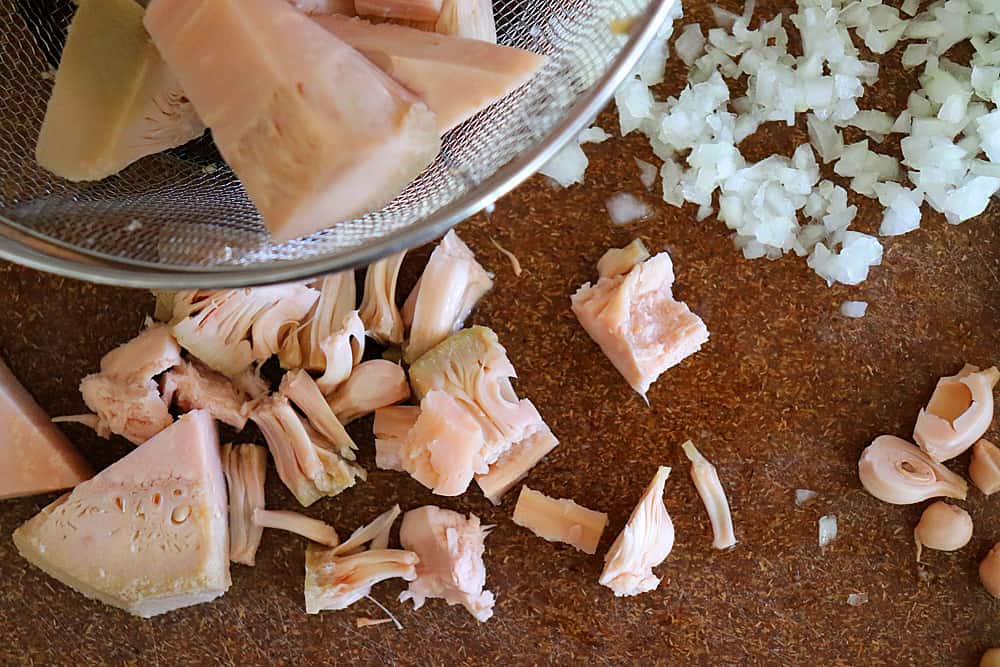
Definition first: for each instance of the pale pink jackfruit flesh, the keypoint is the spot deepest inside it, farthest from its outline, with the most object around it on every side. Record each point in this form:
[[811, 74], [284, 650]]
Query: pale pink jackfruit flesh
[[251, 383], [444, 449], [456, 77], [560, 520], [989, 571], [315, 132], [340, 576], [300, 524], [337, 298], [194, 386], [471, 19], [150, 353], [299, 387], [450, 548], [375, 533], [984, 468], [372, 385], [342, 351], [133, 410], [378, 310], [897, 472], [124, 397], [407, 10], [337, 582], [473, 367], [390, 428], [513, 466], [644, 543], [456, 283], [246, 469], [637, 323], [619, 261], [306, 462], [713, 496], [959, 413], [410, 305], [219, 327], [37, 457], [149, 533], [281, 321]]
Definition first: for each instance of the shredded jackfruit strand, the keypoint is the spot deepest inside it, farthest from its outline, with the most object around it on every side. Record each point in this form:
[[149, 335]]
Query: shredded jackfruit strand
[[302, 390], [382, 524]]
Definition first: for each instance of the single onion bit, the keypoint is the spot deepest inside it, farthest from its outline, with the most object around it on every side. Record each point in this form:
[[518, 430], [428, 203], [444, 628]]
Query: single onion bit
[[894, 471], [959, 413], [943, 527], [989, 571]]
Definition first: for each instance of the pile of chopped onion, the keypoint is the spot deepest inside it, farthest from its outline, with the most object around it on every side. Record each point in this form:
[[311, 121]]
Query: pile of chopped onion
[[950, 127]]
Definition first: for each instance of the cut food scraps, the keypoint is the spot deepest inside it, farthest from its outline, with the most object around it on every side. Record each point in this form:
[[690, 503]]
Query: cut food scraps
[[472, 367], [706, 480], [458, 281], [632, 314], [206, 358], [245, 467], [338, 577], [897, 472], [450, 551], [644, 543], [559, 520], [958, 414], [125, 397]]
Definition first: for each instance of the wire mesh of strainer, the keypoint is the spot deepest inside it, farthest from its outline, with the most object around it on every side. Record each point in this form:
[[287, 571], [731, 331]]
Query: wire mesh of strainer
[[181, 218]]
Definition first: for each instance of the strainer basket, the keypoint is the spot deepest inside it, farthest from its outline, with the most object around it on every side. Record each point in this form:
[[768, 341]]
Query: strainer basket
[[181, 219]]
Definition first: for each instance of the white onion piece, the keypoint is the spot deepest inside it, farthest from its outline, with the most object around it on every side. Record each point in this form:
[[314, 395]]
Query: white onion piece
[[804, 496], [854, 309], [857, 599], [625, 208], [827, 530], [647, 173]]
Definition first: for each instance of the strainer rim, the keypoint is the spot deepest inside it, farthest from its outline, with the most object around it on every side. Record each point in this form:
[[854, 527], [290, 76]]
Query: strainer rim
[[27, 247]]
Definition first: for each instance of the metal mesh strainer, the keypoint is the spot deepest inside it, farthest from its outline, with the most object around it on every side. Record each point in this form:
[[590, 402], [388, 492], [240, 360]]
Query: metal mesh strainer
[[181, 218]]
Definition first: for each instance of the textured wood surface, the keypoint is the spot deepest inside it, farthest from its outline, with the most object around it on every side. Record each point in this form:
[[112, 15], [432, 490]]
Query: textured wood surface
[[784, 396]]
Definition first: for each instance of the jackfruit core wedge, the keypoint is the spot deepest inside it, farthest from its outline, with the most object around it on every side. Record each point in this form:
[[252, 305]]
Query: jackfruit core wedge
[[114, 100]]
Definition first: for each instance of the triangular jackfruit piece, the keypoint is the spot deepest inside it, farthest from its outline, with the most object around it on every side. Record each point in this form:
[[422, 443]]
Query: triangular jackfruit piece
[[37, 457], [456, 77], [148, 534], [114, 99], [316, 133]]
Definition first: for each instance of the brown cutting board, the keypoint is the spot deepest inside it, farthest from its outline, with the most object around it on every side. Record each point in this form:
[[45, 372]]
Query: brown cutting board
[[784, 396]]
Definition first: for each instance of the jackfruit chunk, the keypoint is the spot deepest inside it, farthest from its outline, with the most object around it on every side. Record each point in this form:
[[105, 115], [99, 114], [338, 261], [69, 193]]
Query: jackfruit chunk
[[114, 100], [456, 77], [314, 131], [37, 456], [149, 533], [473, 368]]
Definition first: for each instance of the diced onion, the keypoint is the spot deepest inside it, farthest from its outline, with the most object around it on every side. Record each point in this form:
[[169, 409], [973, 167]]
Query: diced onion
[[853, 309], [827, 530]]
